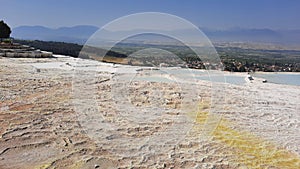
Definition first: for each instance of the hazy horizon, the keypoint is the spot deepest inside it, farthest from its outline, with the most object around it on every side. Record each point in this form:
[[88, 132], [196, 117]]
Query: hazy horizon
[[269, 14], [200, 27]]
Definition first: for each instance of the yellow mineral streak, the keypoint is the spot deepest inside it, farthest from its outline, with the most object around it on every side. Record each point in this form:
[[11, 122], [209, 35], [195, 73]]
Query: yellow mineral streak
[[249, 150]]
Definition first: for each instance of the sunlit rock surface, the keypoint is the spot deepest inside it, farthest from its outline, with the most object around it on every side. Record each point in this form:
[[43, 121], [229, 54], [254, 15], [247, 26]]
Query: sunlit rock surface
[[42, 126]]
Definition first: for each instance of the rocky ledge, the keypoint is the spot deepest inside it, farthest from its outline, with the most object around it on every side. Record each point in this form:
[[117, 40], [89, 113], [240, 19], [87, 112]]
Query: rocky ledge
[[15, 50]]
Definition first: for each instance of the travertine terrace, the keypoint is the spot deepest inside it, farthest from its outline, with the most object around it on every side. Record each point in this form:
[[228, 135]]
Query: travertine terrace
[[43, 126]]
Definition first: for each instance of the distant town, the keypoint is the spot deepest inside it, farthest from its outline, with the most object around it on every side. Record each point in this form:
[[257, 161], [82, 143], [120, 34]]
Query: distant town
[[234, 59], [234, 65]]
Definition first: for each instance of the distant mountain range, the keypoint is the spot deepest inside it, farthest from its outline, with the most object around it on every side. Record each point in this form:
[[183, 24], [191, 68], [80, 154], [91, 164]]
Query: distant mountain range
[[79, 34], [76, 34], [285, 37]]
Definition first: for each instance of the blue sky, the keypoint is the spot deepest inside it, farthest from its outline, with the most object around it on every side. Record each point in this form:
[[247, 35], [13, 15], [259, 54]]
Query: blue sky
[[219, 14]]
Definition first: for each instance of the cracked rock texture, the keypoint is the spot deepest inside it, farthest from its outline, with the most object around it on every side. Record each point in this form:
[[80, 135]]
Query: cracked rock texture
[[50, 118]]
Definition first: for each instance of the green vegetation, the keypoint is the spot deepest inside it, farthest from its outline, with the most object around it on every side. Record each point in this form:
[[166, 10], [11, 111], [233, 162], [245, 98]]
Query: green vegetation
[[233, 58], [4, 31], [237, 59], [62, 48], [68, 49]]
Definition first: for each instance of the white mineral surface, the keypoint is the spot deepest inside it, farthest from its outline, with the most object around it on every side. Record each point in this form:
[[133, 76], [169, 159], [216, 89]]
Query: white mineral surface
[[72, 113]]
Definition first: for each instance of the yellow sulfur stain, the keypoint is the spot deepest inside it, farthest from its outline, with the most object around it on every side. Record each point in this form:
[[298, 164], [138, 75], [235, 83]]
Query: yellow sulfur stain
[[250, 150], [77, 165], [43, 166]]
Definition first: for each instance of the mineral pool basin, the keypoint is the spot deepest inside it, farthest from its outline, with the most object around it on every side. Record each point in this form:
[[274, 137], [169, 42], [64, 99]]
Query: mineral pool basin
[[280, 78], [188, 75]]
